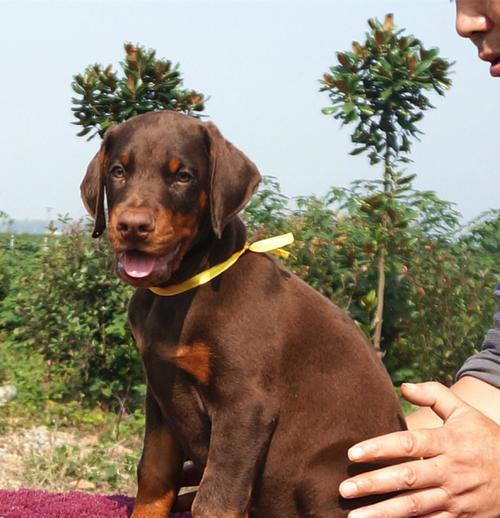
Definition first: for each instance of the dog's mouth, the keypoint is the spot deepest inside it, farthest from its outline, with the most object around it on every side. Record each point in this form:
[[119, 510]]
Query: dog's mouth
[[142, 268]]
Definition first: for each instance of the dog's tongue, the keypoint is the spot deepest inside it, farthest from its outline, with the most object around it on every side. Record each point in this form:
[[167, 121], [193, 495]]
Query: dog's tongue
[[137, 264]]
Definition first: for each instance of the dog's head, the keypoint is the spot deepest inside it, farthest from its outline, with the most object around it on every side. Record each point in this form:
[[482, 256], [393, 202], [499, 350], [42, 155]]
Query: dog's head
[[164, 176]]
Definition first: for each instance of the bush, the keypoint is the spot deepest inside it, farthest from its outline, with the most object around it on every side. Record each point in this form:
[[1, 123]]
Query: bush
[[63, 330], [449, 304], [439, 275], [70, 310]]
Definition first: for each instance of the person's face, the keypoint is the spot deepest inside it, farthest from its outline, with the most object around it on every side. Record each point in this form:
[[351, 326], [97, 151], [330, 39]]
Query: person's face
[[479, 20]]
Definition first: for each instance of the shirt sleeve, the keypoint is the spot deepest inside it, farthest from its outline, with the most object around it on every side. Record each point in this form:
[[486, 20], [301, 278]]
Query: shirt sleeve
[[485, 365]]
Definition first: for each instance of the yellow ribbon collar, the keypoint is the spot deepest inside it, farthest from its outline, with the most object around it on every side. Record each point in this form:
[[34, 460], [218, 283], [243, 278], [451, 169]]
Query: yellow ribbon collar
[[272, 244]]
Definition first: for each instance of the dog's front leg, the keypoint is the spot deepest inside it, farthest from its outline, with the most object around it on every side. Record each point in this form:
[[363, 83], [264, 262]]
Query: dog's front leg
[[238, 445], [160, 468]]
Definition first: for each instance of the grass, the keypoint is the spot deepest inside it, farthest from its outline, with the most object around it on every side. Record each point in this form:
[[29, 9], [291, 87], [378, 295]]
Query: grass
[[85, 449], [102, 468]]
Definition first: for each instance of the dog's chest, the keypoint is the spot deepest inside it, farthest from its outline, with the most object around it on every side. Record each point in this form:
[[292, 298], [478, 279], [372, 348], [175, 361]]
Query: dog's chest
[[179, 373], [166, 343]]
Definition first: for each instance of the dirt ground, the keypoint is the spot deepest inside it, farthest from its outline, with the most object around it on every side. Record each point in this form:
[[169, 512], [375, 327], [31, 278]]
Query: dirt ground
[[38, 457]]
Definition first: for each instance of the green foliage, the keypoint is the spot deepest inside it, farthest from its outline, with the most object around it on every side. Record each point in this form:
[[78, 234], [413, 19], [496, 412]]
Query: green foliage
[[68, 313], [64, 338], [267, 212], [147, 84], [482, 239], [5, 260], [449, 307], [18, 255], [379, 86], [439, 275], [75, 315]]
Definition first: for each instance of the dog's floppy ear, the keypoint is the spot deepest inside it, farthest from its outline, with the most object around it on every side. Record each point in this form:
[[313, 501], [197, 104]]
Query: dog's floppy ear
[[92, 192], [233, 179]]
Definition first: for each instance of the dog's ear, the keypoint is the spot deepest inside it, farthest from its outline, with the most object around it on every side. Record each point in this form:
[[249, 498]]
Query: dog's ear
[[233, 179], [92, 192]]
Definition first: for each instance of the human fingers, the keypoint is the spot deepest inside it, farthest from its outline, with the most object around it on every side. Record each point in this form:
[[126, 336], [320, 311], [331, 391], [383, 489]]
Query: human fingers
[[398, 445], [435, 395], [408, 475], [412, 503]]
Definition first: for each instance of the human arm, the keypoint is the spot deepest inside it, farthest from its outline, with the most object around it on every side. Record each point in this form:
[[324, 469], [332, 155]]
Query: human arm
[[477, 393]]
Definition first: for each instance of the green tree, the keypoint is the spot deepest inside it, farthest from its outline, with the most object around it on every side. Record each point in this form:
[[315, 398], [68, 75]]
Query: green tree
[[147, 84], [380, 87]]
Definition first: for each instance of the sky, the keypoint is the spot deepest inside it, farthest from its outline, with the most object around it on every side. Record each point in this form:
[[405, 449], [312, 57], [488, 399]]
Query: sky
[[260, 62]]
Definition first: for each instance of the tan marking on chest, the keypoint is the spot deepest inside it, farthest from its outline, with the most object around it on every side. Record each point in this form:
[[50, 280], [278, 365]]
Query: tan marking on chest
[[194, 359]]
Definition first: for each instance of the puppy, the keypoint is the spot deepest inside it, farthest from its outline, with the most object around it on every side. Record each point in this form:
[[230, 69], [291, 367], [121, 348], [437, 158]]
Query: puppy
[[259, 380]]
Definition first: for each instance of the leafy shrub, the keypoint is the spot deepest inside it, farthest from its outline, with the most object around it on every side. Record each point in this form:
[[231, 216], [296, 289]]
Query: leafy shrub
[[439, 275], [147, 84], [63, 330], [71, 311], [448, 288]]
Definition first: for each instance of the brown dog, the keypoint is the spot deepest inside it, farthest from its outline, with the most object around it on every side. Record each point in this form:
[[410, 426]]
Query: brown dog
[[254, 376]]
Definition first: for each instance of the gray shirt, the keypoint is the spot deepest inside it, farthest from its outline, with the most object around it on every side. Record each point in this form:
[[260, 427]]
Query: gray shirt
[[485, 365]]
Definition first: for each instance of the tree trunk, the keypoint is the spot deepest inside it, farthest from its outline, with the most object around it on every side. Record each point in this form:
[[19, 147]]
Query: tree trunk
[[379, 314]]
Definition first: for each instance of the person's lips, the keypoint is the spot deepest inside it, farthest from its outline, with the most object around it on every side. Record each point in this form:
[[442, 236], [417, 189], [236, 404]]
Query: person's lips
[[494, 60], [495, 67]]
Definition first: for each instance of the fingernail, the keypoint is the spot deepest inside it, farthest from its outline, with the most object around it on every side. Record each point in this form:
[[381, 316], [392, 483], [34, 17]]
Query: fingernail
[[355, 453], [348, 489], [410, 386]]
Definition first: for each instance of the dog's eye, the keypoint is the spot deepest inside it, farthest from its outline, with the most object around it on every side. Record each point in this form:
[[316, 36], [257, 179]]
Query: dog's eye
[[117, 172], [184, 177]]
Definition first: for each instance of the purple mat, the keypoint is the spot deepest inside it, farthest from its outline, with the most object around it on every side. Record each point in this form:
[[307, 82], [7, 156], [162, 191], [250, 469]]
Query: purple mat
[[30, 503]]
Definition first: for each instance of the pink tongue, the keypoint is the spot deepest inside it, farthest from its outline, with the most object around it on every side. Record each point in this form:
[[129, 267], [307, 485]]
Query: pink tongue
[[137, 264]]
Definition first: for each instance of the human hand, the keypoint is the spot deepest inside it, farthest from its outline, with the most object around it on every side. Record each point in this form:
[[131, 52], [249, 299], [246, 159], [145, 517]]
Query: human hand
[[456, 471]]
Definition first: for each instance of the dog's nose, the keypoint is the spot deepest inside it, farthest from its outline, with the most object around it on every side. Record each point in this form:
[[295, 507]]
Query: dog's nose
[[134, 224]]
